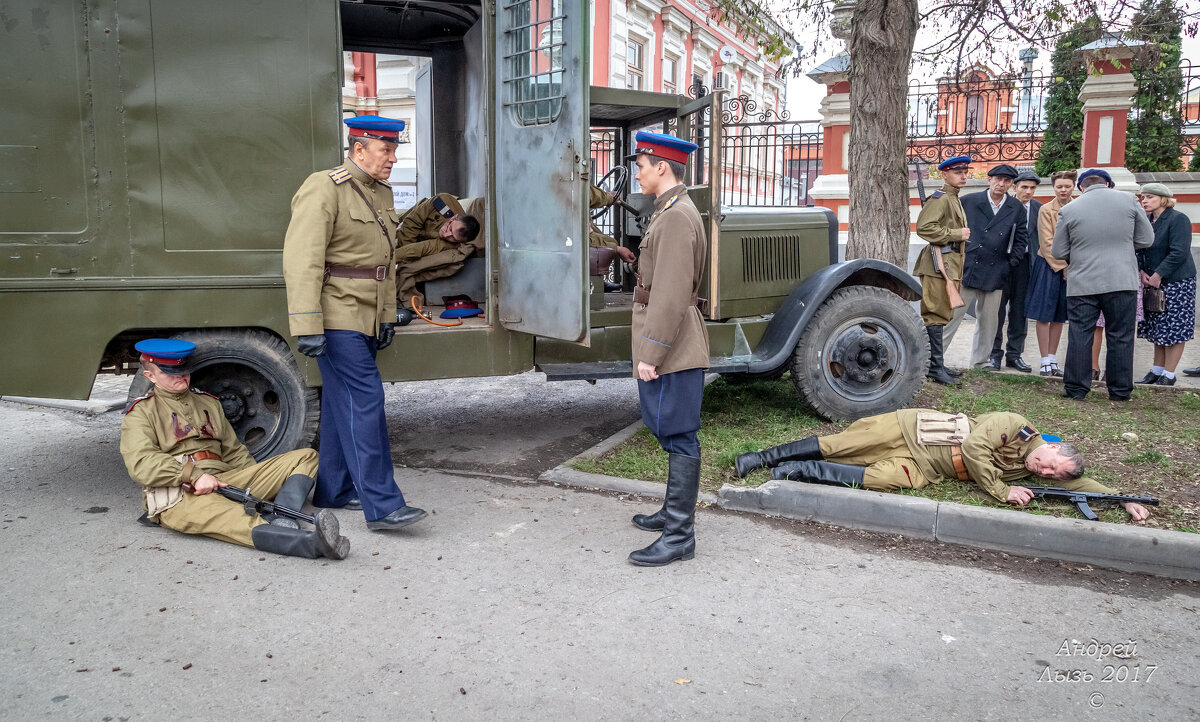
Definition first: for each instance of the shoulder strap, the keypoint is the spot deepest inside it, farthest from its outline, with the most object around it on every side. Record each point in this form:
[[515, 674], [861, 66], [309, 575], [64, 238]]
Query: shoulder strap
[[339, 175], [442, 208]]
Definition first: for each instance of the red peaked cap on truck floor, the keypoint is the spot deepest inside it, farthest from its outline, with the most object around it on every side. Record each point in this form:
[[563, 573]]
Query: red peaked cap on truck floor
[[661, 146]]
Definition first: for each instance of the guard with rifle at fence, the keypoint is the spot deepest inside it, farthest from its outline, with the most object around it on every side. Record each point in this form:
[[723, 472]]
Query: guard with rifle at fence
[[178, 445], [943, 224], [911, 448]]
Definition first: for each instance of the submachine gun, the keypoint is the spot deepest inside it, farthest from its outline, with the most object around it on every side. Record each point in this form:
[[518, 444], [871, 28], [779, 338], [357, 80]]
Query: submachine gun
[[254, 505], [1084, 499]]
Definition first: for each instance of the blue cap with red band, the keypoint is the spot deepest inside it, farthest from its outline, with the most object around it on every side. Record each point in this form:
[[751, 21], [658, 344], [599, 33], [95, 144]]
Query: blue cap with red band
[[170, 355], [662, 146], [374, 126]]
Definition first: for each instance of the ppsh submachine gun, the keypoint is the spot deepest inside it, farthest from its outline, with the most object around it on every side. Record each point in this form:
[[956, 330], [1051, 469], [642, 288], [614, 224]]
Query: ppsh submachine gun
[[1084, 499], [254, 505]]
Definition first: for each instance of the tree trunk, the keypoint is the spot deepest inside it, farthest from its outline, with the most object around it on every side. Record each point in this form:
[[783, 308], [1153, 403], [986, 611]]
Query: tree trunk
[[881, 44]]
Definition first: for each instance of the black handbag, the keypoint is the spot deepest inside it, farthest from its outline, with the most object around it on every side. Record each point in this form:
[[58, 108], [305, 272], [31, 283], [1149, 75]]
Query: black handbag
[[1153, 300]]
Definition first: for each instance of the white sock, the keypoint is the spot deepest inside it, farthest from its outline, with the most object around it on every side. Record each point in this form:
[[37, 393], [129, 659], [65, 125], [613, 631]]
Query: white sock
[[1052, 359], [1047, 360], [1159, 370], [1168, 374]]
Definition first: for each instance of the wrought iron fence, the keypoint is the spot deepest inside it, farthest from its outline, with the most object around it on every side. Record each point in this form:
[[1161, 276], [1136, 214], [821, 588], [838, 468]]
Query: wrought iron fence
[[767, 159]]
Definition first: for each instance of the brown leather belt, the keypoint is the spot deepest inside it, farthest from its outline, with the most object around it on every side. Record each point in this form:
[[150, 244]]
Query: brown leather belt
[[374, 273], [198, 456], [960, 468], [642, 296]]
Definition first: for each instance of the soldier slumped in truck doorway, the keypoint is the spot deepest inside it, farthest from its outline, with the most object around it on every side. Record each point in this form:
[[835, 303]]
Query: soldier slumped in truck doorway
[[177, 443], [434, 240], [911, 448]]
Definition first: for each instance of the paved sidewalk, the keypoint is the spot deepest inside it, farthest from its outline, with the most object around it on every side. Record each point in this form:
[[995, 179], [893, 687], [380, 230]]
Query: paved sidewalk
[[959, 353]]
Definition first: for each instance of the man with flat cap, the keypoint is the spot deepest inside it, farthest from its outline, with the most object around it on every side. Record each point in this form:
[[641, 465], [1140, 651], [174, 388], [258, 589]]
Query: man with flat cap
[[341, 288], [998, 243], [1012, 303], [943, 225], [1098, 234], [177, 443], [670, 341]]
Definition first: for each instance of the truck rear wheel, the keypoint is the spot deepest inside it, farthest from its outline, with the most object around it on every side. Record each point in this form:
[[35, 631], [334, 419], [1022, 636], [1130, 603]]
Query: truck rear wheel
[[863, 353], [260, 387]]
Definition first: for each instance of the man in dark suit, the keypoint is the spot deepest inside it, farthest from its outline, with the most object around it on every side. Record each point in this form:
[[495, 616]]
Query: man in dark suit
[[1013, 300], [997, 243]]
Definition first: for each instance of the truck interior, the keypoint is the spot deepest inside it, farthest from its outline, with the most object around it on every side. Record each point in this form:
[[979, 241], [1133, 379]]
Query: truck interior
[[455, 110]]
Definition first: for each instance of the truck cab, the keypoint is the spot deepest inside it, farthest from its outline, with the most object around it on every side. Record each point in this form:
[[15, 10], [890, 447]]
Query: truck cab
[[152, 149]]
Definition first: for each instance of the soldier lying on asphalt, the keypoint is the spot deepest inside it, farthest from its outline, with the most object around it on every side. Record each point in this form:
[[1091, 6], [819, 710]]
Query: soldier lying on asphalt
[[911, 448], [179, 446]]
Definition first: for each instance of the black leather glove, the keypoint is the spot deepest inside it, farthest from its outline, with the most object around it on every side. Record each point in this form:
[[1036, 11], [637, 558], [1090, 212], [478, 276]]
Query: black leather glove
[[311, 345], [387, 332]]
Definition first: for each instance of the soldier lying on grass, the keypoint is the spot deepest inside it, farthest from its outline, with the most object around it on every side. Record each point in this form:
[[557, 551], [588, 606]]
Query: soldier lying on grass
[[911, 448]]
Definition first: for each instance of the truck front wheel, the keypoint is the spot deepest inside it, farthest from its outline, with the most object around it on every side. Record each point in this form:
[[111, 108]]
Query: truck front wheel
[[863, 353], [260, 387]]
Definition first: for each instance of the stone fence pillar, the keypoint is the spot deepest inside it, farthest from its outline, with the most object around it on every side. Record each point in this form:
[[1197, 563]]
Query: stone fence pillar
[[1107, 96], [832, 188]]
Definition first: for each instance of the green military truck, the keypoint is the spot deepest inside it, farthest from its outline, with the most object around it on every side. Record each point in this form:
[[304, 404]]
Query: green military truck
[[149, 150]]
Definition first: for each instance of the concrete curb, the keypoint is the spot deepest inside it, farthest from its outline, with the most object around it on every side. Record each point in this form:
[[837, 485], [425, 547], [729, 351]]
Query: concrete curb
[[92, 407], [1127, 548]]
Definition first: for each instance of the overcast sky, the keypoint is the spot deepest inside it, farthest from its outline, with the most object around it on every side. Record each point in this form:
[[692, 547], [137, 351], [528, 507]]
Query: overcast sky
[[804, 94]]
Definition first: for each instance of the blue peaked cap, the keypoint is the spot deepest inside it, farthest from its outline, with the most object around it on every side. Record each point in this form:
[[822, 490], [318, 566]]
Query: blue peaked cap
[[661, 145], [171, 348], [956, 160], [374, 122]]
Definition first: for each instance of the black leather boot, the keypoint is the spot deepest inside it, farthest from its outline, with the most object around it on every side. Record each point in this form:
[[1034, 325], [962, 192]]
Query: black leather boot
[[292, 494], [937, 370], [821, 472], [324, 541], [651, 522], [806, 448], [678, 540]]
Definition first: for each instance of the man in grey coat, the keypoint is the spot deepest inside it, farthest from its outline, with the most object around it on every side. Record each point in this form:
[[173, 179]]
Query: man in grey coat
[[1097, 234]]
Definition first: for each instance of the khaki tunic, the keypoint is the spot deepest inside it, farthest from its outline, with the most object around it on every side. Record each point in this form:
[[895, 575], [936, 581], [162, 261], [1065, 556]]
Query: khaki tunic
[[332, 224], [422, 222], [669, 332], [940, 223], [428, 260], [1047, 223], [994, 454], [162, 427]]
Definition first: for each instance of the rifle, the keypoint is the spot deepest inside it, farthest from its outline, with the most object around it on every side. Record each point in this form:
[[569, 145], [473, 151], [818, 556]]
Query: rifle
[[254, 505], [952, 294], [1083, 499]]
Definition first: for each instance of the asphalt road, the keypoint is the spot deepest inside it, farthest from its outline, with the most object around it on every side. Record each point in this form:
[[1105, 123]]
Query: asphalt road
[[514, 601]]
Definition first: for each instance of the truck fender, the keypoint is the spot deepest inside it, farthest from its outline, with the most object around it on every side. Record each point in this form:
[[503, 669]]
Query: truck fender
[[783, 331]]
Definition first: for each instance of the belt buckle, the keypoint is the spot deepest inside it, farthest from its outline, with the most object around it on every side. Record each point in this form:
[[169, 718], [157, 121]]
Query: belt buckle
[[381, 273]]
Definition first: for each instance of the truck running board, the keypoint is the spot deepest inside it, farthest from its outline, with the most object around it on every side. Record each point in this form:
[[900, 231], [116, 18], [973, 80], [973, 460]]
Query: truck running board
[[624, 369]]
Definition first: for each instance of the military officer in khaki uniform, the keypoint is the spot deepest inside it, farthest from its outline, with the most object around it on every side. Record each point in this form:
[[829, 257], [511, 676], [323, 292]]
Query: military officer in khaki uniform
[[911, 448], [177, 443], [670, 341], [436, 238], [943, 224], [341, 290]]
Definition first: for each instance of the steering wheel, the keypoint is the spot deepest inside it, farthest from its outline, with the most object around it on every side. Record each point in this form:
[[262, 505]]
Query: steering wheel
[[615, 182]]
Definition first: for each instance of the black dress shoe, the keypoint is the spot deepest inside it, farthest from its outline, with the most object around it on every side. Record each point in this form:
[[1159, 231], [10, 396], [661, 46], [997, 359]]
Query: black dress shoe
[[1019, 364], [1149, 378], [1164, 381], [1194, 371], [400, 518], [994, 364], [355, 504], [1065, 395]]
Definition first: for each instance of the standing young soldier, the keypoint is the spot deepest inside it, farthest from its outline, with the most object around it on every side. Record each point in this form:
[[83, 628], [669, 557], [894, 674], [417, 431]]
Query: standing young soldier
[[943, 224], [341, 290], [670, 342]]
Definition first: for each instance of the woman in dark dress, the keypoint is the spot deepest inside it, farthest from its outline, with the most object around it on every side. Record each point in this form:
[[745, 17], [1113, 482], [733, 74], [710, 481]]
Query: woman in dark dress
[[1046, 299], [1168, 265]]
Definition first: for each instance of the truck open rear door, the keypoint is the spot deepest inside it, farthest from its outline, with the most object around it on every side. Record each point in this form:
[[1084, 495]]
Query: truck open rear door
[[541, 169]]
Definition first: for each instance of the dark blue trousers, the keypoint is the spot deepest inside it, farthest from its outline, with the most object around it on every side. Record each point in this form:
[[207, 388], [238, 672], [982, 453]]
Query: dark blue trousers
[[671, 410], [355, 452]]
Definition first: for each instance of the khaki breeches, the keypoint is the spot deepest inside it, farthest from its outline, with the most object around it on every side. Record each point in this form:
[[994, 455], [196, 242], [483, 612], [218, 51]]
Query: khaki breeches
[[935, 304], [215, 516], [877, 444]]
